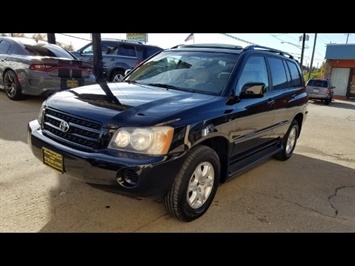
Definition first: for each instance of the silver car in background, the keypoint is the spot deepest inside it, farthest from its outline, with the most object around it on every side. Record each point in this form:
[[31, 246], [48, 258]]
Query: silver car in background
[[320, 89], [38, 68]]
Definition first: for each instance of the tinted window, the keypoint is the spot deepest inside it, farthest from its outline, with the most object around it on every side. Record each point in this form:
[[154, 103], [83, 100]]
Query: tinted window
[[47, 50], [106, 48], [318, 83], [295, 74], [4, 46], [254, 71], [278, 74], [148, 51], [125, 50]]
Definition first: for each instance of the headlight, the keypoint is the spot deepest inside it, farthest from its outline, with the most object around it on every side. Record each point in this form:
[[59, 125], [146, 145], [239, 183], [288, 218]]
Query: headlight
[[40, 114], [150, 140]]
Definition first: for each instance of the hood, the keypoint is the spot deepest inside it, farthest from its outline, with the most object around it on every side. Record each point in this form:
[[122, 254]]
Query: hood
[[138, 103]]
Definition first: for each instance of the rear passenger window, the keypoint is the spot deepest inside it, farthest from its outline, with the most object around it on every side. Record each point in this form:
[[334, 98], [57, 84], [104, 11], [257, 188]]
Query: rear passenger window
[[295, 74], [126, 50], [278, 74]]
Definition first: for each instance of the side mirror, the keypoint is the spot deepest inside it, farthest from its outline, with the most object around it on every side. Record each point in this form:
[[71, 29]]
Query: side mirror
[[253, 90]]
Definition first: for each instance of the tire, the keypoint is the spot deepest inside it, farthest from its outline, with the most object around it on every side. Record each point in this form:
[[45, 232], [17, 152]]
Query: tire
[[117, 76], [327, 101], [12, 86], [195, 185], [288, 142]]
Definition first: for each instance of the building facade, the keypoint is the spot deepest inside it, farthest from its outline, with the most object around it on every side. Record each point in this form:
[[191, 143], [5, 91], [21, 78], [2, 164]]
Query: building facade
[[340, 69]]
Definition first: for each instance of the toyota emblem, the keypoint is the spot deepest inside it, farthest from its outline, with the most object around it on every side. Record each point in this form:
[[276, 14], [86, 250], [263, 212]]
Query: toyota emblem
[[64, 126]]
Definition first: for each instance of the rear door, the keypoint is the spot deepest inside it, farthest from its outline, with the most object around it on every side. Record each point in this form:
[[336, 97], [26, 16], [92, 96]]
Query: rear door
[[287, 91], [125, 54]]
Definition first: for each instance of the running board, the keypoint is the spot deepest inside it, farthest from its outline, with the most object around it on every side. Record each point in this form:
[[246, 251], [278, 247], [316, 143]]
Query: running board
[[247, 163]]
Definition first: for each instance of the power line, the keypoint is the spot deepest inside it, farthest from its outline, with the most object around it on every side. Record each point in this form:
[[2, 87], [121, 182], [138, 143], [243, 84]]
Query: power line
[[230, 36], [76, 37]]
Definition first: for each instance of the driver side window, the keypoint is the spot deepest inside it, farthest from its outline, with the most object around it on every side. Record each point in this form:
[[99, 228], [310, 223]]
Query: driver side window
[[253, 71]]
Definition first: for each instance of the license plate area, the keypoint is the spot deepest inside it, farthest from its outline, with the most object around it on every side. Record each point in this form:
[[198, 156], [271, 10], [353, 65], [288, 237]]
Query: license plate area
[[53, 159], [72, 83], [315, 90]]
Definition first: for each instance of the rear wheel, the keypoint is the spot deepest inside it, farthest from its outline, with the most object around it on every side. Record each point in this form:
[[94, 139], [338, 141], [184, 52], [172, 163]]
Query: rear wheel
[[195, 185], [288, 142], [12, 85]]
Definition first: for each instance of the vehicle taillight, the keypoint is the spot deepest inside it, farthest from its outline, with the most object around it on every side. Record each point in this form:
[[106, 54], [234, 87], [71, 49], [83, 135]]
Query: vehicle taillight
[[42, 67], [89, 70], [48, 67]]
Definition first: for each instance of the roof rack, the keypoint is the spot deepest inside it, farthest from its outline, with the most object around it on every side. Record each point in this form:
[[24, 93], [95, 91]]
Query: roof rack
[[121, 40], [268, 49], [209, 45]]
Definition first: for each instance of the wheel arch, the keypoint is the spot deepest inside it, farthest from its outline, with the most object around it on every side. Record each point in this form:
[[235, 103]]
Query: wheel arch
[[299, 118], [221, 147], [113, 68]]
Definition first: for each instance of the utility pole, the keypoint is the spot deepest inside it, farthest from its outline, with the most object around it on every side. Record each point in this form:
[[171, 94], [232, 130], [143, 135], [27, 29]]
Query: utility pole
[[98, 68], [314, 48], [303, 41], [51, 38]]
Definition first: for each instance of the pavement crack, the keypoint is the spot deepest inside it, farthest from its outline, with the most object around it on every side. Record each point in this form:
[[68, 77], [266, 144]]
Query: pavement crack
[[304, 207], [333, 195]]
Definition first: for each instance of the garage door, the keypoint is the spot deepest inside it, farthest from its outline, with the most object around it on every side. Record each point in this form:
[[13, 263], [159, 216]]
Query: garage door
[[340, 79]]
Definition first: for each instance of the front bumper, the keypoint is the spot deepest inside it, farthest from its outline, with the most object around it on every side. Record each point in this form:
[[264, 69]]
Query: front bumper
[[132, 174]]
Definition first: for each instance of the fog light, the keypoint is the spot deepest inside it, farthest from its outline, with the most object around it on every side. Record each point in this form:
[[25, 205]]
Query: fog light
[[127, 178]]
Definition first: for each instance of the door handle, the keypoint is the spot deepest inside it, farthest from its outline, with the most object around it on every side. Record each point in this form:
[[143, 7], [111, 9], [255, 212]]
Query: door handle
[[270, 101]]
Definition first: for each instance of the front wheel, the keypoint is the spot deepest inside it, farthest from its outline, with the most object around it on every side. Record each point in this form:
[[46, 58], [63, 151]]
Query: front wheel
[[288, 142], [117, 76], [195, 185]]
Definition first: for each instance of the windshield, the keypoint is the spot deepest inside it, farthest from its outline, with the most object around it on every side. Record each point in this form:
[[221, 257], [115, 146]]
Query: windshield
[[195, 71]]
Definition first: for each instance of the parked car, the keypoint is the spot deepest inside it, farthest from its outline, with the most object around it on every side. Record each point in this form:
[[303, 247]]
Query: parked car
[[118, 56], [177, 126], [320, 89], [38, 68]]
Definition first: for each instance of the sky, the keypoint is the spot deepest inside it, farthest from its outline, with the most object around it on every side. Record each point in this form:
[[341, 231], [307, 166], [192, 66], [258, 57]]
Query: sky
[[288, 42]]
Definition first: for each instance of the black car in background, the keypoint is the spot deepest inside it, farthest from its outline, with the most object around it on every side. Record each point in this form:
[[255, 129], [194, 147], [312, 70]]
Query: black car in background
[[38, 68], [117, 56], [181, 123]]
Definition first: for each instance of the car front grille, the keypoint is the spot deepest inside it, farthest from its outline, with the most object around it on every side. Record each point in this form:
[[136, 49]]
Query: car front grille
[[72, 130]]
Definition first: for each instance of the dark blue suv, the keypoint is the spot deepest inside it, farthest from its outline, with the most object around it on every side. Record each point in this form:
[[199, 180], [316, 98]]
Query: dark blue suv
[[176, 127], [117, 56]]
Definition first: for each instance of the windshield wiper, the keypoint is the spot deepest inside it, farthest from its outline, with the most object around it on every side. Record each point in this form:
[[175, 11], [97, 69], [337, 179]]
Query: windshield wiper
[[162, 85], [167, 86], [131, 81]]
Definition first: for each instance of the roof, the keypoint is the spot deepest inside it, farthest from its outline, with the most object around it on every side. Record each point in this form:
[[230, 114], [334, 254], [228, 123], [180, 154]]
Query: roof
[[340, 51]]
